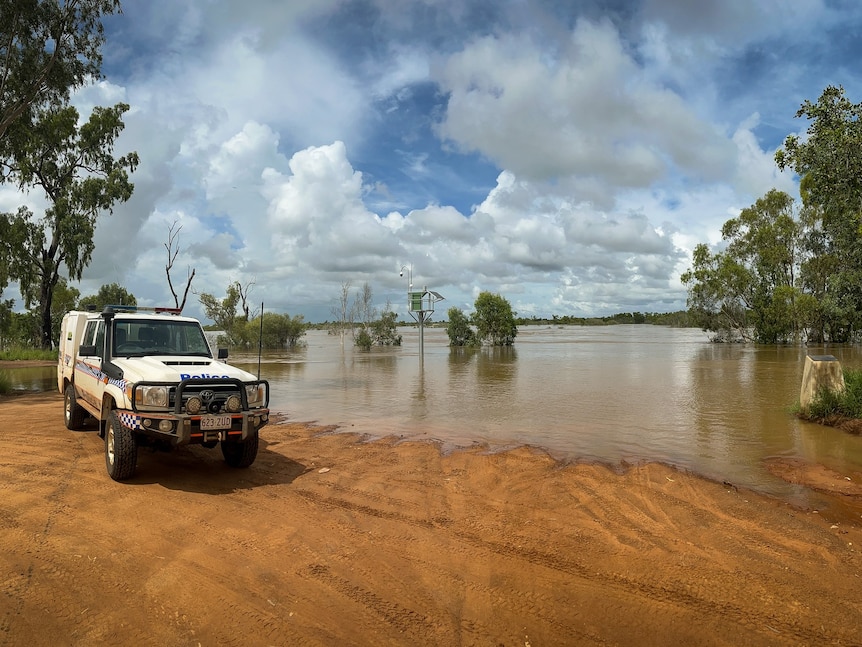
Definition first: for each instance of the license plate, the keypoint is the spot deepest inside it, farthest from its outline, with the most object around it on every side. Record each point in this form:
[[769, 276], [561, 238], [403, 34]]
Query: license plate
[[215, 422]]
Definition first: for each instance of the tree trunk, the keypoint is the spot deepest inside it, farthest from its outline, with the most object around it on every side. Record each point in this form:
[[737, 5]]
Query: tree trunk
[[45, 297]]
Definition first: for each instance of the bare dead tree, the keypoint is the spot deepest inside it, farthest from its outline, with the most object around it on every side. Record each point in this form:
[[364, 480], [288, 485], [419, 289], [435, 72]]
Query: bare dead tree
[[343, 313], [244, 292], [173, 248]]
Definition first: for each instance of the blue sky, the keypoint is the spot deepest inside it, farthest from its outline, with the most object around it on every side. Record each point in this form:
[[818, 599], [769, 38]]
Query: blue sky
[[567, 155]]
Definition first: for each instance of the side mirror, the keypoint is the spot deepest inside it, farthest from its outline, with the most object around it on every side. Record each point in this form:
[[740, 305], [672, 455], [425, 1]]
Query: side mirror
[[222, 353], [87, 351]]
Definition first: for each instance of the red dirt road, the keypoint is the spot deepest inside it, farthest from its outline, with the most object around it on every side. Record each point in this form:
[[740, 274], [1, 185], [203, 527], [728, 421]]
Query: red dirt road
[[327, 540]]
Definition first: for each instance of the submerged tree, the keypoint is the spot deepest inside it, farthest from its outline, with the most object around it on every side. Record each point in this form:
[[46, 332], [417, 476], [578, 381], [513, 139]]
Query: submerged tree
[[494, 320], [750, 289], [458, 328], [383, 330], [342, 313], [278, 330]]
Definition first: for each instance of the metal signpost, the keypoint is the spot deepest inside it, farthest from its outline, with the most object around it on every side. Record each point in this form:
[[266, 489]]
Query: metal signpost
[[420, 305]]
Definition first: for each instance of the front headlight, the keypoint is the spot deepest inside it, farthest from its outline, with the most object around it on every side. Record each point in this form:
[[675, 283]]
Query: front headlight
[[254, 393], [152, 396]]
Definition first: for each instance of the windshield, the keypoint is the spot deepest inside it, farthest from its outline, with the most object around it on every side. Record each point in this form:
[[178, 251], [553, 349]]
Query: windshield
[[141, 337]]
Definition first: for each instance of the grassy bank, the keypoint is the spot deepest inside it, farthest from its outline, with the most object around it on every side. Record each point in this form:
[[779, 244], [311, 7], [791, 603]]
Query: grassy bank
[[843, 410], [20, 354]]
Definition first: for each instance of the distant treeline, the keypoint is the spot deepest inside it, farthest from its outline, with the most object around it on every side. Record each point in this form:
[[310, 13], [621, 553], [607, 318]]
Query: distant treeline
[[679, 319]]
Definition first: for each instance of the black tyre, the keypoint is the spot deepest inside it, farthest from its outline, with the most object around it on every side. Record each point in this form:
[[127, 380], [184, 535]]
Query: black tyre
[[73, 413], [121, 449], [240, 453]]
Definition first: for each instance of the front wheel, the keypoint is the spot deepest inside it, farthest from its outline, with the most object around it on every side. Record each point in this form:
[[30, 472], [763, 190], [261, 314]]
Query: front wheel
[[240, 453], [121, 449], [73, 413]]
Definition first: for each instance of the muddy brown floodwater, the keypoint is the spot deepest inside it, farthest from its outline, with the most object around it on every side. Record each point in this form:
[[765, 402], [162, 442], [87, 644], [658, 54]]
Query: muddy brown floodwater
[[330, 540]]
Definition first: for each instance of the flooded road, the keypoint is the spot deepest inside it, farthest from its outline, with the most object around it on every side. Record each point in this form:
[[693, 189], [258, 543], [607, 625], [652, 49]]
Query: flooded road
[[613, 394]]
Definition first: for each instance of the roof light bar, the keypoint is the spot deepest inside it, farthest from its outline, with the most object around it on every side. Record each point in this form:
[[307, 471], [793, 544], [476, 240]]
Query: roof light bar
[[157, 309]]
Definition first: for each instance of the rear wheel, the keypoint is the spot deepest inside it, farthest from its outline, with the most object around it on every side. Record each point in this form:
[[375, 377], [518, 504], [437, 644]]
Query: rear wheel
[[240, 453], [121, 449], [73, 413]]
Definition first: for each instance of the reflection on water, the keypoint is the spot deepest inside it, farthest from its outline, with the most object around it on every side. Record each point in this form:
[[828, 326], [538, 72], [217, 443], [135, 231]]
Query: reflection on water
[[613, 394], [33, 378]]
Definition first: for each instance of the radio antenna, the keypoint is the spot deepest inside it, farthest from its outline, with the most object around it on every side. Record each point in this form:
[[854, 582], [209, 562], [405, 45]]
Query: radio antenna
[[260, 340]]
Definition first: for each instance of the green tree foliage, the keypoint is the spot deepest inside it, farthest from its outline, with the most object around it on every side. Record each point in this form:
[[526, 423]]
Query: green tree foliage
[[47, 48], [788, 276], [222, 313], [750, 289], [17, 329], [753, 282], [829, 159], [65, 299], [829, 163], [75, 168], [279, 331], [383, 331], [109, 294], [458, 328], [494, 320]]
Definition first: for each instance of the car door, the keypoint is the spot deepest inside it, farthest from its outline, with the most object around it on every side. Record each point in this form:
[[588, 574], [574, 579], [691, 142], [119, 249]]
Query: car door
[[89, 380]]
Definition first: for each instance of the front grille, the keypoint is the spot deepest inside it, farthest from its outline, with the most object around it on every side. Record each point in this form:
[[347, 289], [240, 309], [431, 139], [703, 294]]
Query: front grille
[[213, 396], [213, 392]]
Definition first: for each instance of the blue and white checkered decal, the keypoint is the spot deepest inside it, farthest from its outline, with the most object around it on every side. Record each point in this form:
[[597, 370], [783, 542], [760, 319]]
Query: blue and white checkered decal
[[130, 420]]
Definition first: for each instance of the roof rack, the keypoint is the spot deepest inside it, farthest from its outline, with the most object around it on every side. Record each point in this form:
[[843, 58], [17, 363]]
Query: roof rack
[[157, 309]]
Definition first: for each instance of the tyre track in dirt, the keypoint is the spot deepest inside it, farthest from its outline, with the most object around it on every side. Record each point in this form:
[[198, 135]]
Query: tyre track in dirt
[[473, 539], [328, 539], [702, 606]]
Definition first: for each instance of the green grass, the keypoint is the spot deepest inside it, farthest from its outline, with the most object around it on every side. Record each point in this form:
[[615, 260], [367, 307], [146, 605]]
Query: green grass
[[828, 404], [15, 354], [5, 382]]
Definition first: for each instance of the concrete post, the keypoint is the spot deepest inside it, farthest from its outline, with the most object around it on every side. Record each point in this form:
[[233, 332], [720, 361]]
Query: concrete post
[[821, 371]]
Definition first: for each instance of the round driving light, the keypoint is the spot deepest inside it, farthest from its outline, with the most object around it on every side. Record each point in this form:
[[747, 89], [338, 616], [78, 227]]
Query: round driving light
[[193, 405], [233, 404], [166, 425], [146, 422]]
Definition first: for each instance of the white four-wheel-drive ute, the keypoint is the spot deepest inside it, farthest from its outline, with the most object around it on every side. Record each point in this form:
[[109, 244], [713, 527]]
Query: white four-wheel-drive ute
[[149, 376]]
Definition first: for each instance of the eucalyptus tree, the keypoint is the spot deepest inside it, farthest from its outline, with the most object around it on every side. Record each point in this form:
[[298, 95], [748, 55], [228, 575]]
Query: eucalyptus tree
[[751, 290], [75, 168], [47, 49], [829, 162]]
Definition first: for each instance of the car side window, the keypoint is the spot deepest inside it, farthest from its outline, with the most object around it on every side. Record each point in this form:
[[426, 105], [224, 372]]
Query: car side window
[[94, 335], [89, 334], [100, 338]]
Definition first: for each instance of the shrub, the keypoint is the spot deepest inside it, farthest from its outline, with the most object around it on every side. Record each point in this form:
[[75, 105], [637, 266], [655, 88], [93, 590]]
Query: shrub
[[846, 404], [459, 330]]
